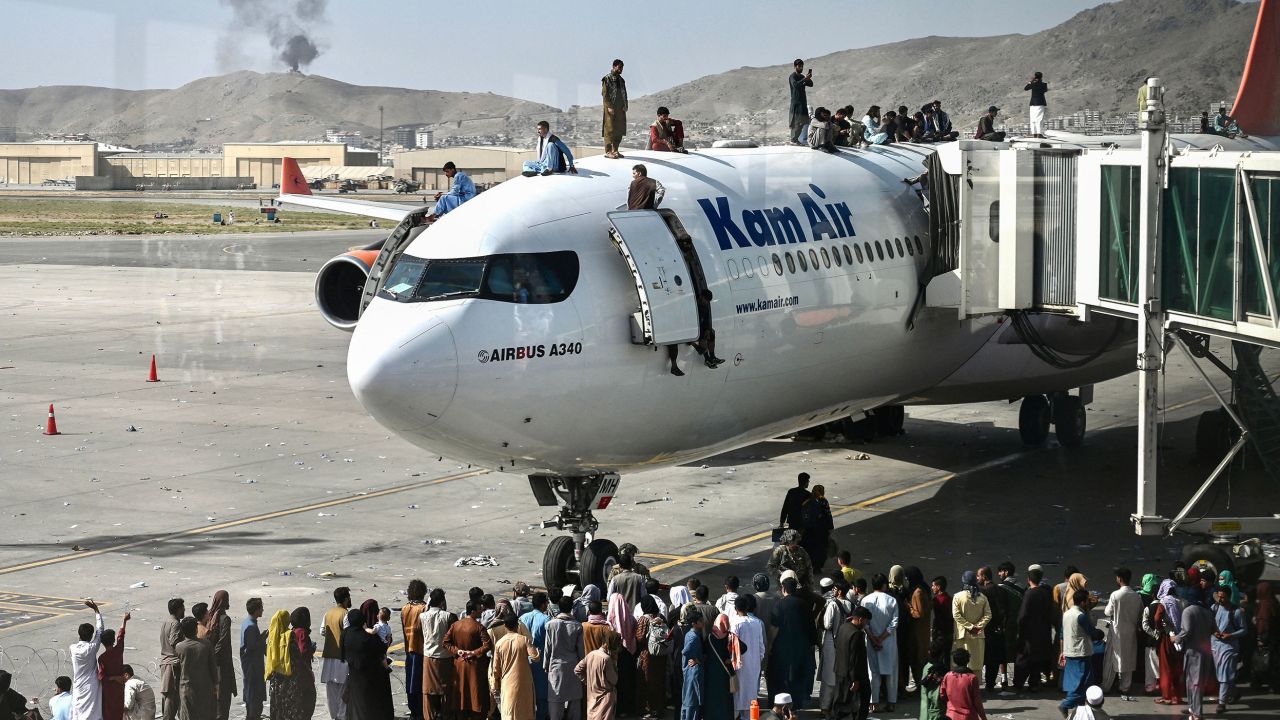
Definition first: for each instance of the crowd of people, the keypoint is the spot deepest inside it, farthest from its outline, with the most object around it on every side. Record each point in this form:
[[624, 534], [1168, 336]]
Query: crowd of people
[[632, 648]]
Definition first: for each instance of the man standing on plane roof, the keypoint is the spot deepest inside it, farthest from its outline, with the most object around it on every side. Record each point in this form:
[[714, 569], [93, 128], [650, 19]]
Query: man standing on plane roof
[[613, 90], [798, 110], [1038, 88]]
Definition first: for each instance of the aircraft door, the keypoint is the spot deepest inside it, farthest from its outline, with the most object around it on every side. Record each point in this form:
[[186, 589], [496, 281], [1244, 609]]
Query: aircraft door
[[666, 287]]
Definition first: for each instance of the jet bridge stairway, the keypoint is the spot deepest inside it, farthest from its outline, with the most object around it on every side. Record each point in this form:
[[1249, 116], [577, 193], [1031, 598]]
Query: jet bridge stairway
[[1255, 402]]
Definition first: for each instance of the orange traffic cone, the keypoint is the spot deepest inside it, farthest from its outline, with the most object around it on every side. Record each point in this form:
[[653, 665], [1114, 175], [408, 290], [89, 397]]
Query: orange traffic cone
[[51, 427], [154, 377]]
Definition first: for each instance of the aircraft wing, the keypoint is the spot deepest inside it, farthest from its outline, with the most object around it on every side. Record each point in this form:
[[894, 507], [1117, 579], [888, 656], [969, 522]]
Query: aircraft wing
[[294, 190], [384, 211]]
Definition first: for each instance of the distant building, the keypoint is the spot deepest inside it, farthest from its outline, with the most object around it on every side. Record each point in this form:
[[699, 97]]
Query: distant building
[[404, 137], [263, 161], [343, 137], [425, 138], [34, 163]]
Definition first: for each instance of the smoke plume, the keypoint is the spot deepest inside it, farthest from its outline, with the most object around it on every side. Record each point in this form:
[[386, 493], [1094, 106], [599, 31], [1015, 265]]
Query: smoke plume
[[288, 26]]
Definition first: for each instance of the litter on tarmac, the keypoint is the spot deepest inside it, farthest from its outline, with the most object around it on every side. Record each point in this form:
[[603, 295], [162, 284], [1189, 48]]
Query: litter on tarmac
[[476, 561]]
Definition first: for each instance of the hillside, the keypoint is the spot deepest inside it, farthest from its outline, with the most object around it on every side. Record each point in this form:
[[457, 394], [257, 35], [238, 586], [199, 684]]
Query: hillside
[[1097, 60], [1094, 60], [250, 106]]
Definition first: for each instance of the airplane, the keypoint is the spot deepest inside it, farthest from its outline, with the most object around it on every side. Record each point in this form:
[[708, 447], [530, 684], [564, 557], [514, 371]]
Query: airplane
[[529, 330]]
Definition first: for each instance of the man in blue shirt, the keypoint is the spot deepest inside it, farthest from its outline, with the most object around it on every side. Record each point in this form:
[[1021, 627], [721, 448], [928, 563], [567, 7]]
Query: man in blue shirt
[[60, 703], [460, 191], [692, 657], [553, 155]]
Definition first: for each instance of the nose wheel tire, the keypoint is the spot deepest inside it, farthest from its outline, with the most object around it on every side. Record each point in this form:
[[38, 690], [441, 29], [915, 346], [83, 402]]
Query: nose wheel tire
[[1069, 420], [558, 563], [598, 558], [1033, 420]]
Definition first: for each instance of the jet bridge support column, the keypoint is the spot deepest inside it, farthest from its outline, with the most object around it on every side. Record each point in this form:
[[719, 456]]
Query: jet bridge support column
[[1150, 326]]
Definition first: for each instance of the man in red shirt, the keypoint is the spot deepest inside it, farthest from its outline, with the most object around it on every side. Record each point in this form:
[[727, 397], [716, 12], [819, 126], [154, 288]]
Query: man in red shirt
[[111, 672], [959, 690]]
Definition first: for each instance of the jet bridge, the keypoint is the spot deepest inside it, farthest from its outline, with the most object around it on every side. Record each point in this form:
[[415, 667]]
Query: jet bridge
[[1178, 233]]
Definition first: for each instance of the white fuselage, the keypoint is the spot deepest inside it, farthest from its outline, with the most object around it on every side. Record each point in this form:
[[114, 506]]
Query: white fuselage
[[559, 388]]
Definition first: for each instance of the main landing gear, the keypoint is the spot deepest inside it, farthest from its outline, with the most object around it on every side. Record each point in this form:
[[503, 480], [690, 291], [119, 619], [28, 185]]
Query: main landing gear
[[582, 558], [1065, 412]]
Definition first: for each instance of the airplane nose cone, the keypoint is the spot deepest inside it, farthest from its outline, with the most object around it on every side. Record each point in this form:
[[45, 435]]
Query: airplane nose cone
[[406, 381]]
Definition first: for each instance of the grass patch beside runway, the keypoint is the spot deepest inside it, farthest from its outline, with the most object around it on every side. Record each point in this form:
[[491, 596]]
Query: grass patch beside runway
[[71, 216]]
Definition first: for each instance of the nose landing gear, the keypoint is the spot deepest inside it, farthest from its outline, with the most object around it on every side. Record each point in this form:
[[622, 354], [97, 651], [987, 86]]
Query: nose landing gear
[[581, 558], [1065, 412]]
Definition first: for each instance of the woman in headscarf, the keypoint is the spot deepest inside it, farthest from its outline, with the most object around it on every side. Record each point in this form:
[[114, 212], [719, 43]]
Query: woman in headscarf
[[498, 625], [679, 596], [971, 613], [724, 660], [1227, 579], [915, 642], [624, 623], [368, 677], [1077, 581], [590, 594], [218, 631], [290, 679], [1167, 620], [815, 515], [652, 637]]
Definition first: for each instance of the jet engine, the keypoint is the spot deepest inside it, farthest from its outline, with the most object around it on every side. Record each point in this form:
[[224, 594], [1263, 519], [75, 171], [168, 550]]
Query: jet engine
[[340, 285]]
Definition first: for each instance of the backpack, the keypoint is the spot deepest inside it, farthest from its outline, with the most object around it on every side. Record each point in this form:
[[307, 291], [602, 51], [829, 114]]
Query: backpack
[[659, 637]]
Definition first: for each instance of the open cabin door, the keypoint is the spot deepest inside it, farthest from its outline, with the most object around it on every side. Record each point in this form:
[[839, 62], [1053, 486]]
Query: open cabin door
[[667, 289]]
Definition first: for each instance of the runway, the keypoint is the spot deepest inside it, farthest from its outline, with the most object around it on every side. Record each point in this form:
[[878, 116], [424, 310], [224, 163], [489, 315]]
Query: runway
[[250, 467]]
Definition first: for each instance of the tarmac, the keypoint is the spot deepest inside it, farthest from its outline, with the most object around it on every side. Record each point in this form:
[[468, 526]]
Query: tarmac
[[250, 467]]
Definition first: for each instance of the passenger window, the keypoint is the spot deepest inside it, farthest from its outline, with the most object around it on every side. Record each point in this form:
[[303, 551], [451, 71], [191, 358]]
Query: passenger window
[[879, 251], [747, 268], [777, 264], [919, 246], [870, 253], [835, 255], [733, 270], [813, 258], [791, 264], [898, 244], [888, 248], [764, 266], [911, 250], [858, 249], [804, 264], [848, 259]]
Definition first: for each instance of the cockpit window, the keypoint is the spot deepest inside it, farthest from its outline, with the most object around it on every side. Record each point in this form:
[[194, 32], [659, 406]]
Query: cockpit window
[[451, 278], [536, 278], [513, 277]]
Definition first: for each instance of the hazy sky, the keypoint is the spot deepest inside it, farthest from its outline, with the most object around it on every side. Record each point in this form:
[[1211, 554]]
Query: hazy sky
[[502, 46]]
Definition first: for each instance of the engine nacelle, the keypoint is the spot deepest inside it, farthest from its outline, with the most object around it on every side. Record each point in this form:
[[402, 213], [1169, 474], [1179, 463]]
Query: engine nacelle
[[340, 286]]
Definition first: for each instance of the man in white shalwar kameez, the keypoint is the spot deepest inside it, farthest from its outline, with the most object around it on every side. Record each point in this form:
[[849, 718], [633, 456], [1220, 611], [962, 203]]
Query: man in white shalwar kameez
[[744, 623], [86, 690], [834, 612], [1124, 610], [882, 634]]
